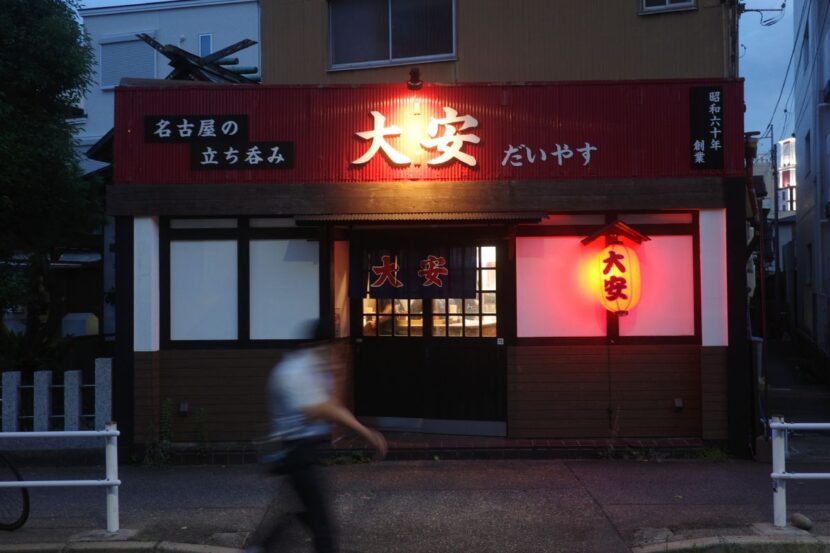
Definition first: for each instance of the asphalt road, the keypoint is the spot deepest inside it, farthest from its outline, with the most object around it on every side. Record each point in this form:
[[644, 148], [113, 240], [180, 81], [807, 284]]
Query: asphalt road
[[441, 506]]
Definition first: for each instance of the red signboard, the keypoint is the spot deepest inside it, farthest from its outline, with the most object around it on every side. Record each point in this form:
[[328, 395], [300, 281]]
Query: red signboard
[[278, 134]]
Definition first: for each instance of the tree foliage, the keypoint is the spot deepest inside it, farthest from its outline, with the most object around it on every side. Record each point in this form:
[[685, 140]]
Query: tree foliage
[[46, 205]]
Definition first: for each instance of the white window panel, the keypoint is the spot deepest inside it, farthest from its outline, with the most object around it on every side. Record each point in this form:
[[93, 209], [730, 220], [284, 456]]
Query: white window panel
[[657, 6], [285, 288], [129, 58], [203, 290]]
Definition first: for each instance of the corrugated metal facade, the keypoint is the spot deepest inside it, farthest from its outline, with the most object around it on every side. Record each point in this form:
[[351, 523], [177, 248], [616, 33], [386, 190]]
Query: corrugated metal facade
[[640, 130]]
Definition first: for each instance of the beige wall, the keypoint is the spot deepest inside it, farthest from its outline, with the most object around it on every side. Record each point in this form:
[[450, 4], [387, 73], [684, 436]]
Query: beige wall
[[519, 40]]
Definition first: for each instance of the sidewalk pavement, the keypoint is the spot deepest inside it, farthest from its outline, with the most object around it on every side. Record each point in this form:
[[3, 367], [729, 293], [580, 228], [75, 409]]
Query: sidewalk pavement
[[573, 506]]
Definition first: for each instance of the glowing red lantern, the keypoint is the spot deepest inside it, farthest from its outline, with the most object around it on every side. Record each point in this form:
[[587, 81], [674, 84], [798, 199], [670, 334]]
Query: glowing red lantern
[[618, 269]]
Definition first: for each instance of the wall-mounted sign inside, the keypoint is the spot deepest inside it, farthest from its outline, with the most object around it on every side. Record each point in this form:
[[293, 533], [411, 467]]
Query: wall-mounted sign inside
[[437, 272], [706, 124]]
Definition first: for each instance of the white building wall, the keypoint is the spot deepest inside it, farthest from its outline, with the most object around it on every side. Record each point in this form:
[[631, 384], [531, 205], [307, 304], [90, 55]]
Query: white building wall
[[178, 23], [811, 68]]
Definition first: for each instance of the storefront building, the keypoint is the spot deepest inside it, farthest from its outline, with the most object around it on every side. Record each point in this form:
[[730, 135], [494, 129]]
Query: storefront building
[[543, 260]]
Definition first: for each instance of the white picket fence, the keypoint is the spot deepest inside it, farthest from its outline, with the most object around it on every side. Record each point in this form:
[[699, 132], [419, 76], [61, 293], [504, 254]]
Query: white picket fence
[[42, 400]]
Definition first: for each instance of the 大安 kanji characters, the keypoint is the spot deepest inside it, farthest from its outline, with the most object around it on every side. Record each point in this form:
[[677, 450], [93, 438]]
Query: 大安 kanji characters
[[613, 260], [615, 288], [378, 137], [451, 142], [387, 271], [431, 270]]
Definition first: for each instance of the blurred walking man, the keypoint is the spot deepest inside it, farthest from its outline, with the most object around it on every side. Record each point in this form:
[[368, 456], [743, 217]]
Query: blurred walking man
[[302, 408]]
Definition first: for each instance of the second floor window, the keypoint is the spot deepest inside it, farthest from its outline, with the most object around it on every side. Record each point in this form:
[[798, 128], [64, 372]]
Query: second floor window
[[656, 6], [369, 33]]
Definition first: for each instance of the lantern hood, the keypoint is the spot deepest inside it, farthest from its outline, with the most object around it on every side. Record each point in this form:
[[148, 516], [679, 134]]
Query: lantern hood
[[616, 229]]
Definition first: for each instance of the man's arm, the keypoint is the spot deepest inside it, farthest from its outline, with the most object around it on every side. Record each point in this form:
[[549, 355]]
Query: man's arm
[[333, 411]]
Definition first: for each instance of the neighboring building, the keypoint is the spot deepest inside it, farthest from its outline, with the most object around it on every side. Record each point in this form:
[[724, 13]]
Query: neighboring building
[[812, 124], [450, 226], [198, 26], [787, 178]]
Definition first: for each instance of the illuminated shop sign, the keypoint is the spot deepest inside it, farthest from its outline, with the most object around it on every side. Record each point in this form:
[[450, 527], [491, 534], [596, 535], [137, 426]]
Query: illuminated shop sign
[[453, 133]]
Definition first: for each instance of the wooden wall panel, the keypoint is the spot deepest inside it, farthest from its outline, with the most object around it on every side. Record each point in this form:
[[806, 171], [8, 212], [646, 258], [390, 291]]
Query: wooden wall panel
[[714, 386], [145, 396], [224, 390], [602, 391]]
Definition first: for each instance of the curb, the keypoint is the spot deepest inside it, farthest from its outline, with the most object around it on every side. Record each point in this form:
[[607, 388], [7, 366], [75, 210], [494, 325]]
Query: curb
[[116, 547], [700, 543]]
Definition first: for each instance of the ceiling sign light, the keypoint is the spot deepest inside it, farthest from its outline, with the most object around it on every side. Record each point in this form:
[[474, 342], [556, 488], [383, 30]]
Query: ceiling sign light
[[618, 268]]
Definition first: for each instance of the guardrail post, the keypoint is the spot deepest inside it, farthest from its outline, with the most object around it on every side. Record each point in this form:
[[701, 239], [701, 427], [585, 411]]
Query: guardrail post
[[72, 400], [111, 452], [779, 466], [43, 400], [11, 400], [103, 392]]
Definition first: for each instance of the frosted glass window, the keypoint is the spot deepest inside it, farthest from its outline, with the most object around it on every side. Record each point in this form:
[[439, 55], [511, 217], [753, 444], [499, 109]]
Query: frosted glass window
[[555, 293], [667, 299], [203, 290], [285, 289]]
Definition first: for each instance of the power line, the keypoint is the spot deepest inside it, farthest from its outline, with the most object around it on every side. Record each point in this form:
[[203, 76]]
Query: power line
[[789, 63]]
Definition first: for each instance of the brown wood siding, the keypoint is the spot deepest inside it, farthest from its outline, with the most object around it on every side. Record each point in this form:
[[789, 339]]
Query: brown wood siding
[[597, 391], [524, 40], [224, 389], [145, 396], [416, 197], [714, 367]]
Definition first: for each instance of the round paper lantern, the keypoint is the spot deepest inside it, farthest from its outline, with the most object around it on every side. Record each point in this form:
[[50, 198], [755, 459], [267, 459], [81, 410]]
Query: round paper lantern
[[619, 273]]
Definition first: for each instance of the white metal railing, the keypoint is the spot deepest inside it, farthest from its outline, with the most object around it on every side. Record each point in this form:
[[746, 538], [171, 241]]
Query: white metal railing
[[111, 482], [779, 473]]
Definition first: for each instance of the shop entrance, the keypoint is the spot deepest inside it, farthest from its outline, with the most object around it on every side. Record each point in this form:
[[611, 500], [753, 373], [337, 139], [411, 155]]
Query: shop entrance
[[434, 364]]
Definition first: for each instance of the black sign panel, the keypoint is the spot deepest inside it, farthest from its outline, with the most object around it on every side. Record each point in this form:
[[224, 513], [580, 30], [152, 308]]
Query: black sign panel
[[706, 124], [242, 155], [195, 128], [426, 272]]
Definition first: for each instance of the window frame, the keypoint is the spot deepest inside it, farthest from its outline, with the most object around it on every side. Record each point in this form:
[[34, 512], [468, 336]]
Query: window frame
[[389, 61], [612, 331], [210, 37], [689, 5], [113, 39], [243, 234]]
